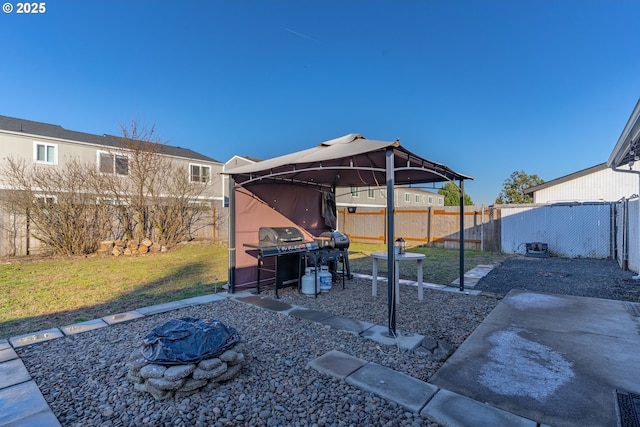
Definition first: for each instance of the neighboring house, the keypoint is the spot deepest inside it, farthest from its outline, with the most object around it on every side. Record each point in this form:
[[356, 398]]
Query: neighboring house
[[53, 146], [597, 183], [233, 162], [376, 197]]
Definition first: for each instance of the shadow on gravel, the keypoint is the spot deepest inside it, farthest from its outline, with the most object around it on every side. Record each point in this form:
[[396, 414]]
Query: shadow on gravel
[[596, 278]]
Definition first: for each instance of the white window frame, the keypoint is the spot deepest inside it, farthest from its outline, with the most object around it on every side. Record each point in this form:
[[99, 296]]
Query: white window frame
[[417, 198], [114, 156], [371, 193], [46, 145], [407, 197], [112, 201], [440, 201], [430, 200], [200, 167], [355, 192], [47, 199]]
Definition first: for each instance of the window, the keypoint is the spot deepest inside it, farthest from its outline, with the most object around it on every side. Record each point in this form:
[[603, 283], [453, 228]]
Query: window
[[110, 201], [199, 173], [355, 191], [440, 202], [45, 153], [113, 163], [372, 193], [417, 198], [45, 200], [407, 197], [430, 200]]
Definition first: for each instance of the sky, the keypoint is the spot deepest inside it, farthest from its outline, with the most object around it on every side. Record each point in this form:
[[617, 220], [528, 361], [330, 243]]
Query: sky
[[484, 87]]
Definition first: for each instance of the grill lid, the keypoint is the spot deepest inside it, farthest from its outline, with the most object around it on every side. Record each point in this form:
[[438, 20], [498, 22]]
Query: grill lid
[[339, 240], [273, 236]]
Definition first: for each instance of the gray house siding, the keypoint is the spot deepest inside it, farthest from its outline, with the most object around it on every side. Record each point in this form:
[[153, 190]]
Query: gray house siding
[[405, 197], [53, 146]]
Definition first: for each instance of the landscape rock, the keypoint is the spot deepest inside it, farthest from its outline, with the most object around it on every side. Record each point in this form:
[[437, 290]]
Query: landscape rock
[[180, 381]]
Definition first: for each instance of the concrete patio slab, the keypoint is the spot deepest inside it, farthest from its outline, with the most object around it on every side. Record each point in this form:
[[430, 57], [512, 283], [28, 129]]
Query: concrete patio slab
[[28, 339], [453, 410], [89, 325], [337, 364], [556, 359], [404, 340], [407, 391], [13, 372], [23, 405], [112, 319]]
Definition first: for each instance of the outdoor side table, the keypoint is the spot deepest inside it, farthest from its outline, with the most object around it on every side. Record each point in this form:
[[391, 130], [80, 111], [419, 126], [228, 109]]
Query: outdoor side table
[[407, 256]]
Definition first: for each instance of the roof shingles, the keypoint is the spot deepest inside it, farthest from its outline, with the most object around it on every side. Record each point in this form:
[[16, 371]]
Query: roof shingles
[[12, 124]]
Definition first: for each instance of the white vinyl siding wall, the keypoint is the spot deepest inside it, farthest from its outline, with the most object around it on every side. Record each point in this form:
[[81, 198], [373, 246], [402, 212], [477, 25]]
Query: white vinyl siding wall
[[605, 185]]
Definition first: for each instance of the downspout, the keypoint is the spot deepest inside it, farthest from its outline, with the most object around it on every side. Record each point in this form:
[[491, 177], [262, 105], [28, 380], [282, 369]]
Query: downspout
[[625, 253], [232, 235]]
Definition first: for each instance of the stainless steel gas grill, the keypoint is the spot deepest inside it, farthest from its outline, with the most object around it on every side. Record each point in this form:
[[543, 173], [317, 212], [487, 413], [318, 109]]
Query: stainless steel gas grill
[[278, 252]]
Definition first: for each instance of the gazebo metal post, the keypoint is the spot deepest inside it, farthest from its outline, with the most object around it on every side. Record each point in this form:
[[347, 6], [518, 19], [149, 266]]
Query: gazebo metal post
[[461, 235], [232, 234], [391, 288]]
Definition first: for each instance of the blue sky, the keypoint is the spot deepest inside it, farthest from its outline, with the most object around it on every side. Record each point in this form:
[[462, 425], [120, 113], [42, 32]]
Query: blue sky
[[485, 87]]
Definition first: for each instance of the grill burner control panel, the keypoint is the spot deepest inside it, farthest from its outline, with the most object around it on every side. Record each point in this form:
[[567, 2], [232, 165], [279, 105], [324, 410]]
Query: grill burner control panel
[[289, 248]]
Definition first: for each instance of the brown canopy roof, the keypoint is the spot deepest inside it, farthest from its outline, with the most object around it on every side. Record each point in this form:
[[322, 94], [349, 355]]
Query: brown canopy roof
[[346, 161]]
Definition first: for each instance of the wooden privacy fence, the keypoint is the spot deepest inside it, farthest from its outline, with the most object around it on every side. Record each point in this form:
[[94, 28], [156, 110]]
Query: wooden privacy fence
[[436, 226]]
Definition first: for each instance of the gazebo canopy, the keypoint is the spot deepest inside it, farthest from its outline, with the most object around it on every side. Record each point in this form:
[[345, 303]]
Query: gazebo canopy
[[283, 191], [346, 161]]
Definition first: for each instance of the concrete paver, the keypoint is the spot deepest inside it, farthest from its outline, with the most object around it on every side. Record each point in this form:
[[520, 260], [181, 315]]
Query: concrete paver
[[311, 315], [112, 319], [162, 308], [204, 299], [34, 338], [337, 364], [355, 327], [404, 340], [13, 372], [7, 354], [265, 302], [473, 276], [407, 391], [454, 410], [23, 405], [89, 325]]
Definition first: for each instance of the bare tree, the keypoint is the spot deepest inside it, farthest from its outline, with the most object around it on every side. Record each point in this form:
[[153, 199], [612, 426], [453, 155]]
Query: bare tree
[[161, 202], [177, 208], [60, 204]]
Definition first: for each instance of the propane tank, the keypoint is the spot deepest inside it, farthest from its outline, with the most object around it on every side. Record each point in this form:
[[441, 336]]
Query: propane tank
[[309, 281], [325, 279]]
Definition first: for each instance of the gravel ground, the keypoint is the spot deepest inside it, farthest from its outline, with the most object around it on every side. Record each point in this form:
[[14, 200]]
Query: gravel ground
[[83, 377], [597, 278]]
